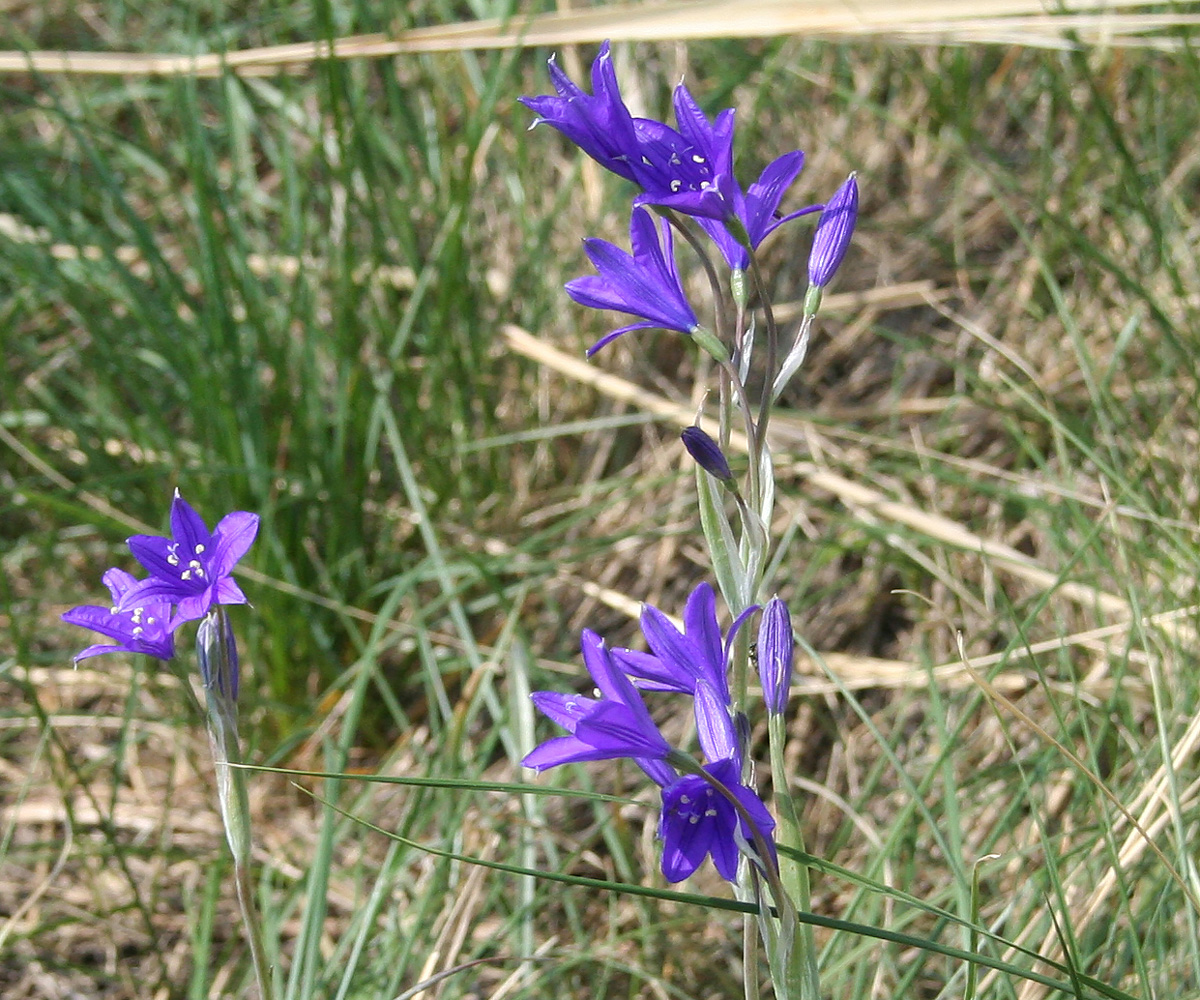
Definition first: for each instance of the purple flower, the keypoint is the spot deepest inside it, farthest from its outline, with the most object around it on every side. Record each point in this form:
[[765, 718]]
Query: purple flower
[[697, 821], [192, 568], [142, 628], [617, 724], [644, 284], [690, 662], [690, 170], [600, 124], [707, 453], [776, 650], [758, 210], [834, 229]]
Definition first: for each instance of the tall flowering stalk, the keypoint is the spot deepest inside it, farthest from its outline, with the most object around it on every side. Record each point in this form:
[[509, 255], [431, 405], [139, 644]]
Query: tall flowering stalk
[[686, 174], [190, 578]]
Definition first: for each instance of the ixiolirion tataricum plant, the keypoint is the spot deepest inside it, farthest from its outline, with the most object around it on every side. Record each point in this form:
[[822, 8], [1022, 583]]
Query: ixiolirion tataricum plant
[[190, 578], [685, 175]]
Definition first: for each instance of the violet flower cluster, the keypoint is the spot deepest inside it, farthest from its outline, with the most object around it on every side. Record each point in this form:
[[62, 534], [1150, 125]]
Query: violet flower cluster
[[709, 809], [687, 170], [686, 184], [189, 574]]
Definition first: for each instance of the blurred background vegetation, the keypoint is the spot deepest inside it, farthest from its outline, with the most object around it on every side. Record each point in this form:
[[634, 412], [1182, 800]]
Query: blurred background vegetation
[[293, 290]]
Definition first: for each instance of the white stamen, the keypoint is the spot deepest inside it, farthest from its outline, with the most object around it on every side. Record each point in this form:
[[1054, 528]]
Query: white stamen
[[199, 549], [710, 812], [676, 185], [693, 818], [697, 158]]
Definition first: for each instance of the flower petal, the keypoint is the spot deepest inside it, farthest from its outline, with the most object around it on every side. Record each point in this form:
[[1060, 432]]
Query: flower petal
[[187, 527], [714, 727], [231, 540], [564, 709], [704, 634], [678, 657]]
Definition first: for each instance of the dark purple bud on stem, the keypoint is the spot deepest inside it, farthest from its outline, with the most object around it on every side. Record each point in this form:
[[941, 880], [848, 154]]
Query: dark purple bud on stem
[[707, 454]]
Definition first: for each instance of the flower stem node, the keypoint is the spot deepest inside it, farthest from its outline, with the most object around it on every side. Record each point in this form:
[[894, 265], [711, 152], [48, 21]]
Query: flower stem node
[[711, 344]]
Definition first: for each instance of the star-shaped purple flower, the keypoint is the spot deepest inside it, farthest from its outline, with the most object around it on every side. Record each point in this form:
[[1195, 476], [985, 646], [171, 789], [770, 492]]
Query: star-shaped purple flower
[[645, 284], [698, 821], [689, 170], [141, 628], [192, 568]]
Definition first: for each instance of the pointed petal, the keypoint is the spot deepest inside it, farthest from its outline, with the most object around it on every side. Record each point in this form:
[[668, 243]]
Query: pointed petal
[[714, 727], [764, 196], [560, 750], [191, 608], [99, 619], [658, 771], [99, 650], [674, 652], [723, 846], [622, 732], [608, 338], [118, 583], [564, 709], [232, 538], [188, 527], [648, 673], [155, 590], [703, 632], [227, 591], [737, 626]]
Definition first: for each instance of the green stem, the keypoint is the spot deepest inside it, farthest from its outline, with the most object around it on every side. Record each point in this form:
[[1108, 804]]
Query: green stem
[[792, 873], [218, 659]]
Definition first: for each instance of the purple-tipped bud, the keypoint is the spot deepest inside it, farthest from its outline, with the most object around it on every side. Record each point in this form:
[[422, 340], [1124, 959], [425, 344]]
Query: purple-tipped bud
[[776, 649], [707, 454], [834, 229]]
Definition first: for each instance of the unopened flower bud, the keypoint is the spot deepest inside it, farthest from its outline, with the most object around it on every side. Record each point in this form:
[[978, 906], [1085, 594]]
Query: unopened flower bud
[[776, 650], [707, 454], [834, 229]]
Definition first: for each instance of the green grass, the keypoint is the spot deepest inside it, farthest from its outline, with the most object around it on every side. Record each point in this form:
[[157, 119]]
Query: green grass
[[286, 294]]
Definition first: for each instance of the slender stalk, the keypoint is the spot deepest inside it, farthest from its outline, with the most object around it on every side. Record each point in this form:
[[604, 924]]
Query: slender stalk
[[793, 874], [764, 403], [720, 307], [217, 653]]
